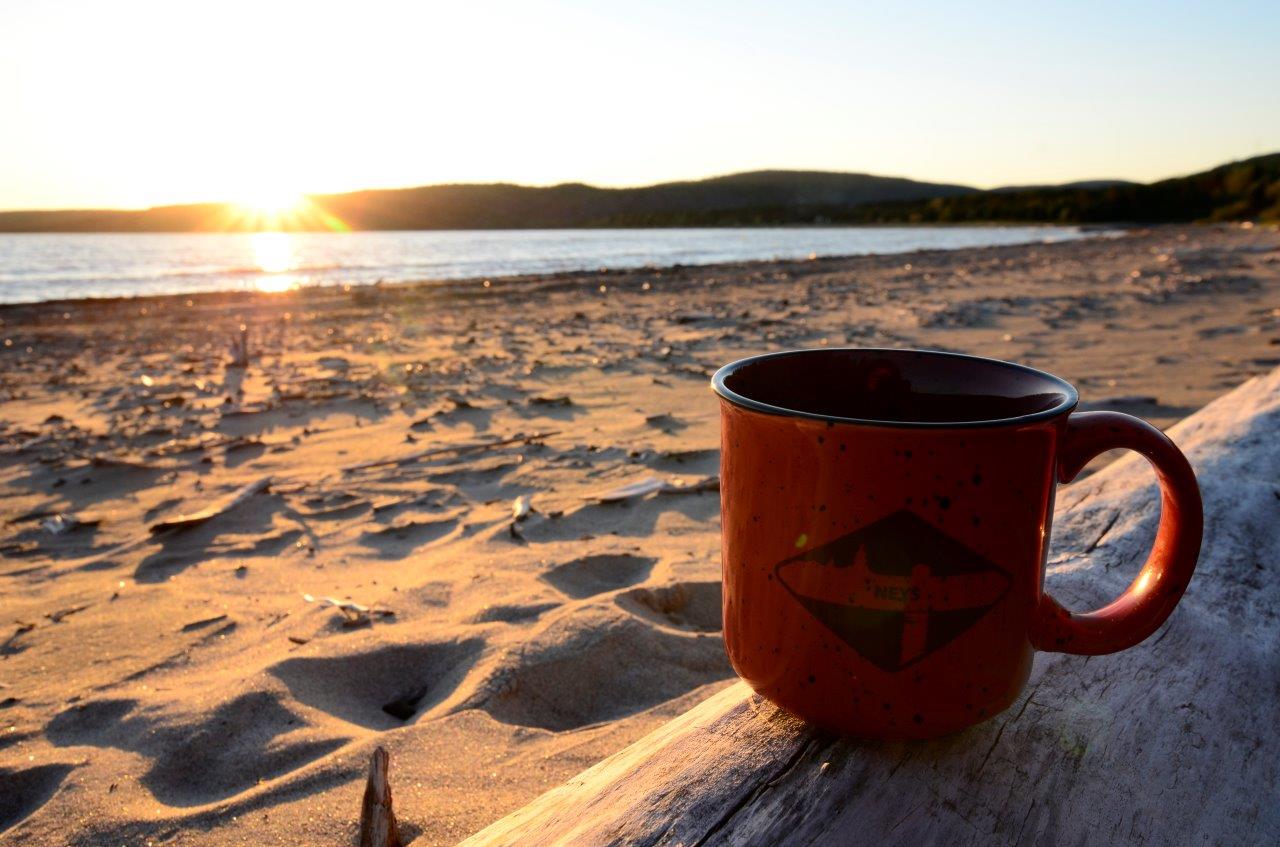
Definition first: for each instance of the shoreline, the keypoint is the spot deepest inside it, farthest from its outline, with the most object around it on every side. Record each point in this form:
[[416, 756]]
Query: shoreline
[[1089, 231], [447, 457]]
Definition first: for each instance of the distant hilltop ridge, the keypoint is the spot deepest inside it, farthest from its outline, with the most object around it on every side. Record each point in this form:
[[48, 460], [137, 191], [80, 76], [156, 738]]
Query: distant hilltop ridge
[[1239, 190], [508, 206]]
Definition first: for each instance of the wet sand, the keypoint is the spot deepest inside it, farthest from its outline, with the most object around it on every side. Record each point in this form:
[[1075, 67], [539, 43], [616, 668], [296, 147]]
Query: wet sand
[[446, 457]]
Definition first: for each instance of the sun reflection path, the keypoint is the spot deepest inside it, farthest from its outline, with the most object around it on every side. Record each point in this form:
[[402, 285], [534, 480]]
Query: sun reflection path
[[273, 254]]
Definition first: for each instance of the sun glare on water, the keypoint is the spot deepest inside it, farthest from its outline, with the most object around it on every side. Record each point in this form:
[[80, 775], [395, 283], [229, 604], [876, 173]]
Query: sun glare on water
[[273, 254], [273, 219]]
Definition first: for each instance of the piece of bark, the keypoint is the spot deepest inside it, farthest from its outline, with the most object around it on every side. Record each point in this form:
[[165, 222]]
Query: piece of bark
[[209, 512], [202, 623], [354, 614], [102, 460], [377, 820], [640, 488], [1176, 739], [442, 451], [655, 485]]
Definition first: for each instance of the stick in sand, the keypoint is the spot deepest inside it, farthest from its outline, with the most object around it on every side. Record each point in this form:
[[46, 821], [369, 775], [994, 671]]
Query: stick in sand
[[440, 451], [196, 518], [377, 820]]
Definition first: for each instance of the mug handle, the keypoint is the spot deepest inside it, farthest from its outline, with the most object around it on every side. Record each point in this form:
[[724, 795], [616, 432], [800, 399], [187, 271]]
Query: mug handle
[[1147, 602]]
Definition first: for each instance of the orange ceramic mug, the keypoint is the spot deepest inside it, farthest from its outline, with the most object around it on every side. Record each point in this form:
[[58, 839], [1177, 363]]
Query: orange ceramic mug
[[886, 517]]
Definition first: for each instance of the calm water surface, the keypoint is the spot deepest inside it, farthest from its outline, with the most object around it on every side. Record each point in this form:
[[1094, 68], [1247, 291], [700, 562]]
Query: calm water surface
[[52, 267]]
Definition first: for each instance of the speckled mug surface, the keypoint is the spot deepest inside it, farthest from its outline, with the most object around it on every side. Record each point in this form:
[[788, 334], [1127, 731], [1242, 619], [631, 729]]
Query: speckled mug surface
[[886, 518]]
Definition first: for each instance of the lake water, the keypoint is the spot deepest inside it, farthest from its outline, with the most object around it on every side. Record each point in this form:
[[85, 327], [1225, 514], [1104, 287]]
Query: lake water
[[39, 267]]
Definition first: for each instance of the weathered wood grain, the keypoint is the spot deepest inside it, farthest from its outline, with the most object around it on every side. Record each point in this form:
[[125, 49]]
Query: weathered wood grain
[[1176, 741], [378, 826]]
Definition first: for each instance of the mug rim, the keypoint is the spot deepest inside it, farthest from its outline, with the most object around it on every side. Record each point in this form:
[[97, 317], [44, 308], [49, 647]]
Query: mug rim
[[1071, 397]]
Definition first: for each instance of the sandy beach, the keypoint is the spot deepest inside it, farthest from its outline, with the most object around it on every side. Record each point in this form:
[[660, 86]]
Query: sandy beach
[[476, 522]]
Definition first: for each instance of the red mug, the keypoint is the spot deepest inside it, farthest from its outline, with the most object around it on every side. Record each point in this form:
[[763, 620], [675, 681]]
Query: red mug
[[886, 518]]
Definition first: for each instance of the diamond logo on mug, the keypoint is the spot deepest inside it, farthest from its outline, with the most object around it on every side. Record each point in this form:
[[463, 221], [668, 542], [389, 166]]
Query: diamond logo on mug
[[895, 590]]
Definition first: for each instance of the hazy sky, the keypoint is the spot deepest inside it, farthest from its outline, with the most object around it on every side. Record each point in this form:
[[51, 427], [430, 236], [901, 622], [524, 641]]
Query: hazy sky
[[137, 103]]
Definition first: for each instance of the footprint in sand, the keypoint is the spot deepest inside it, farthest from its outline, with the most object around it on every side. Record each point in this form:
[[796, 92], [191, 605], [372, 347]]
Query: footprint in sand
[[597, 574], [381, 688], [693, 606], [25, 791], [595, 665], [204, 757]]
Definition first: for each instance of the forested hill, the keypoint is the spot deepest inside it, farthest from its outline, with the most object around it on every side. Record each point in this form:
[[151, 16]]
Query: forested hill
[[1248, 189], [503, 206]]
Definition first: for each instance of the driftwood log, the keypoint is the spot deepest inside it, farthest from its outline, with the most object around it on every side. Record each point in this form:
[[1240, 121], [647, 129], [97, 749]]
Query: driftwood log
[[1176, 741]]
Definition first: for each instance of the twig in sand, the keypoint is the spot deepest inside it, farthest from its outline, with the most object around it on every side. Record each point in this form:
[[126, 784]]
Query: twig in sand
[[240, 349], [104, 461], [454, 448], [57, 616], [652, 484], [390, 503], [377, 820], [542, 400], [697, 486], [355, 614], [196, 518], [639, 488], [23, 628], [201, 624]]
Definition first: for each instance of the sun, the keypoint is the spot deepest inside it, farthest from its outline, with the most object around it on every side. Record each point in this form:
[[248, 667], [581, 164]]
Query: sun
[[268, 207], [272, 203]]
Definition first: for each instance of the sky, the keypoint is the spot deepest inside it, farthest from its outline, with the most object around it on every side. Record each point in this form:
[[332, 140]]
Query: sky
[[136, 103]]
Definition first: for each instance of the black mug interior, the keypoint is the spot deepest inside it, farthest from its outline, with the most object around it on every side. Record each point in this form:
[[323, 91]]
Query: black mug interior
[[894, 387]]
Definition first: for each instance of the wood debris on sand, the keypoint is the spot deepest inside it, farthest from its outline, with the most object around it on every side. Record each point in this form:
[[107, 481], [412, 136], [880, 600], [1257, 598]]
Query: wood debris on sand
[[354, 614], [378, 827], [237, 498], [471, 447], [656, 485]]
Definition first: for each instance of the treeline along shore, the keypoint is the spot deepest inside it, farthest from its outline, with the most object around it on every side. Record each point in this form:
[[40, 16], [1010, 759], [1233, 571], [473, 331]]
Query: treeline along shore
[[1245, 190]]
